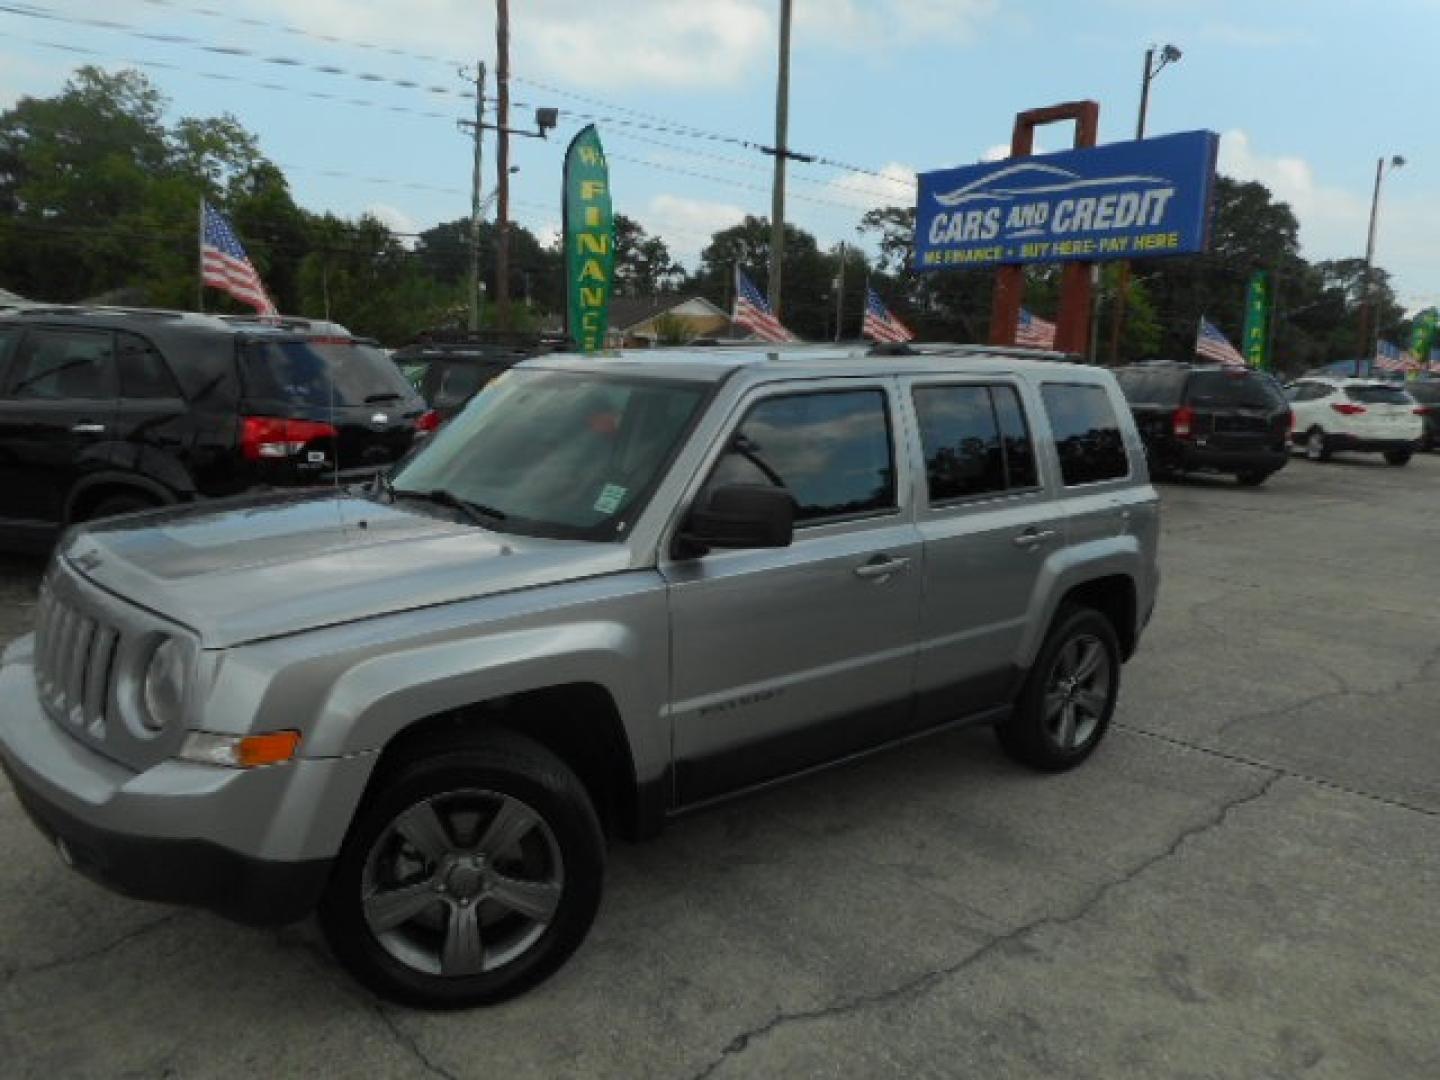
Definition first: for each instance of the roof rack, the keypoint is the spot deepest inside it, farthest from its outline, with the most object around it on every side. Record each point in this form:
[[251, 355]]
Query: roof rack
[[150, 314], [287, 322]]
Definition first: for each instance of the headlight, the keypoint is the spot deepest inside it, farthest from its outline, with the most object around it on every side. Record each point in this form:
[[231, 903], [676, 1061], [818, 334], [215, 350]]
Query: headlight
[[163, 691]]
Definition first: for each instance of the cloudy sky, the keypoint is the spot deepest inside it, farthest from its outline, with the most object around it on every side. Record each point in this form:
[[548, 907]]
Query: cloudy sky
[[1306, 93]]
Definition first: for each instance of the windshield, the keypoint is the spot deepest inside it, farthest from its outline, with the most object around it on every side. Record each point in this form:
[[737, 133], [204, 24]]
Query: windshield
[[558, 453], [305, 372], [1243, 389], [1378, 394]]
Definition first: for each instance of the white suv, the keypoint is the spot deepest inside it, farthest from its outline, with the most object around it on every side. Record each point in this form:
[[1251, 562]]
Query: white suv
[[1354, 414]]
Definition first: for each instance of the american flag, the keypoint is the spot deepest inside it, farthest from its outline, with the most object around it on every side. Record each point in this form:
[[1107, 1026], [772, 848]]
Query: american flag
[[224, 264], [880, 324], [1033, 332], [753, 313], [1213, 345], [1390, 357]]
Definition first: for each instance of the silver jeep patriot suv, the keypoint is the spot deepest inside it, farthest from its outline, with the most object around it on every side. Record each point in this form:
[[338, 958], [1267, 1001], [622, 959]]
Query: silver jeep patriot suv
[[609, 592]]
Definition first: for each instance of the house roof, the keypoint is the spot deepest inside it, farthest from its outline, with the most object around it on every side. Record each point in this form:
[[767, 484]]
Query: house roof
[[630, 311]]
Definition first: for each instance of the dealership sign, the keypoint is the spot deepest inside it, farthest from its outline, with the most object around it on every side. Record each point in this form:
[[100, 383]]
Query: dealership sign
[[1126, 200]]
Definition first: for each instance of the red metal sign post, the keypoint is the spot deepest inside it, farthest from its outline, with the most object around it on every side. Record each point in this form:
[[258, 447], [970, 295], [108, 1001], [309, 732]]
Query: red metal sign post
[[1072, 331]]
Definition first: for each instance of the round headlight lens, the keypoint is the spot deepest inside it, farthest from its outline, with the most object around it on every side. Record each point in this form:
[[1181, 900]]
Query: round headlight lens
[[164, 687]]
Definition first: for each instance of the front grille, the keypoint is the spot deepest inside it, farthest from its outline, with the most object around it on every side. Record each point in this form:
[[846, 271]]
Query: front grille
[[74, 664]]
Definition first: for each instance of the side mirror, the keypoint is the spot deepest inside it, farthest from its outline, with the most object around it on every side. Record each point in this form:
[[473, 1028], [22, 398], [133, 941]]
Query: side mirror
[[740, 516]]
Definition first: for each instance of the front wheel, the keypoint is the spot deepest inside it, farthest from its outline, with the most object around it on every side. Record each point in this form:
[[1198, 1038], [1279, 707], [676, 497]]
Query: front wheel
[[1065, 708], [1397, 457], [469, 877]]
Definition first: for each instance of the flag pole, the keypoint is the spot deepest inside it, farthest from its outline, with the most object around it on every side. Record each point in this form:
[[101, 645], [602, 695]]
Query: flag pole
[[200, 260]]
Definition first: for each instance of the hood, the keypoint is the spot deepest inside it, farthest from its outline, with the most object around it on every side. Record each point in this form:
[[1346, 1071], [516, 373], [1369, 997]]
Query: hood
[[258, 568]]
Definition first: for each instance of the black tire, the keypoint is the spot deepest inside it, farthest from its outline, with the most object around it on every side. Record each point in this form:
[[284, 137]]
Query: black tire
[[512, 769], [1317, 446], [1253, 477], [1026, 734], [1397, 457], [122, 503]]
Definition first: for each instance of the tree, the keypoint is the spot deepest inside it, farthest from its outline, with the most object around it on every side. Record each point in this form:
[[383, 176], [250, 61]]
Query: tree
[[643, 264], [808, 308]]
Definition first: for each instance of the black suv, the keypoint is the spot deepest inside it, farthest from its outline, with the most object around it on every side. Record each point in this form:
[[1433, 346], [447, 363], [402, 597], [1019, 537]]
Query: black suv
[[1209, 418], [449, 368], [105, 411]]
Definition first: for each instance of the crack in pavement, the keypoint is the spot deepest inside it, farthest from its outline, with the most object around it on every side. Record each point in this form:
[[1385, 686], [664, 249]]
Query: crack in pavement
[[409, 1043], [12, 974], [324, 966], [1421, 676], [928, 980], [1279, 770]]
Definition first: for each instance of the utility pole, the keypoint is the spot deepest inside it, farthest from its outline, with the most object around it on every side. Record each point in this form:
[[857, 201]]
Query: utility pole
[[473, 280], [777, 199], [839, 290], [502, 163], [1367, 291]]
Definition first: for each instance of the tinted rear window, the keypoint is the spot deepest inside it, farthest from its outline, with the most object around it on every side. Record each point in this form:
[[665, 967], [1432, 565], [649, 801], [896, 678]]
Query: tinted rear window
[[1142, 387], [310, 372], [1377, 394], [1241, 389], [1087, 433]]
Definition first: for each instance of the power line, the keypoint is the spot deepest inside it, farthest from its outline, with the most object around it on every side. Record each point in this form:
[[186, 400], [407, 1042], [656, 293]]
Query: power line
[[217, 76], [28, 11], [651, 120]]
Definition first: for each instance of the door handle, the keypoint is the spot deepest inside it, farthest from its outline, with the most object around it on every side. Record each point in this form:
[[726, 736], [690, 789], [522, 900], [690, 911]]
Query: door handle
[[881, 568], [1031, 537], [85, 427]]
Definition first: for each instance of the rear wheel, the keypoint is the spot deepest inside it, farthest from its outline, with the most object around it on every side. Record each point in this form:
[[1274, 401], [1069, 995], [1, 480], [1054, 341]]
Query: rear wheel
[[472, 875], [1253, 477], [1397, 457], [1065, 708], [1316, 446]]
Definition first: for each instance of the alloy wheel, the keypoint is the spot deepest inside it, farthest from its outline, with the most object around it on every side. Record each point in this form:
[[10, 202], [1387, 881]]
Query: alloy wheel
[[462, 883], [1077, 691]]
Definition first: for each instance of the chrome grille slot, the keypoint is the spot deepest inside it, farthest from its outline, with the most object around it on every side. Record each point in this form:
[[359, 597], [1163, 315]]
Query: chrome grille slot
[[74, 664], [97, 678]]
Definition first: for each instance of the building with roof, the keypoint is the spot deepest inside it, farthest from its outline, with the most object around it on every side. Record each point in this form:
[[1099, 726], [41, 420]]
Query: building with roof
[[645, 321]]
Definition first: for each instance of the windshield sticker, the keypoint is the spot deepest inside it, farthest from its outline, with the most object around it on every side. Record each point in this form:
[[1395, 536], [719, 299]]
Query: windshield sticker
[[610, 498]]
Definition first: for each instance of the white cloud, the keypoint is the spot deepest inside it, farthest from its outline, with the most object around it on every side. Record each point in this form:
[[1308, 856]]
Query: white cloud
[[396, 220], [895, 186], [880, 24], [686, 225], [1334, 220], [646, 42]]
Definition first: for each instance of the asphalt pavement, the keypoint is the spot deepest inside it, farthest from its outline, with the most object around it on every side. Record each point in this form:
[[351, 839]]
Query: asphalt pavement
[[1243, 882]]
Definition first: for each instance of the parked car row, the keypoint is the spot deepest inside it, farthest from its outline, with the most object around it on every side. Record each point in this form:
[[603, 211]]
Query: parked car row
[[106, 411], [1211, 418]]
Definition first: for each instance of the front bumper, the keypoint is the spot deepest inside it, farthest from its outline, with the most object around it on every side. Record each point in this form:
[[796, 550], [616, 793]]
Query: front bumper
[[254, 845]]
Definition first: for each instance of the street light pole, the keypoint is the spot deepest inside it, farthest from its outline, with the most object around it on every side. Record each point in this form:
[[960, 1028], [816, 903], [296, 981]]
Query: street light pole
[[1168, 55], [1366, 285]]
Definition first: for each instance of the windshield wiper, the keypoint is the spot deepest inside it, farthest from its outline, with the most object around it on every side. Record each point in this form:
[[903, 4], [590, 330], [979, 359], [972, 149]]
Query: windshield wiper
[[389, 395], [479, 513]]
